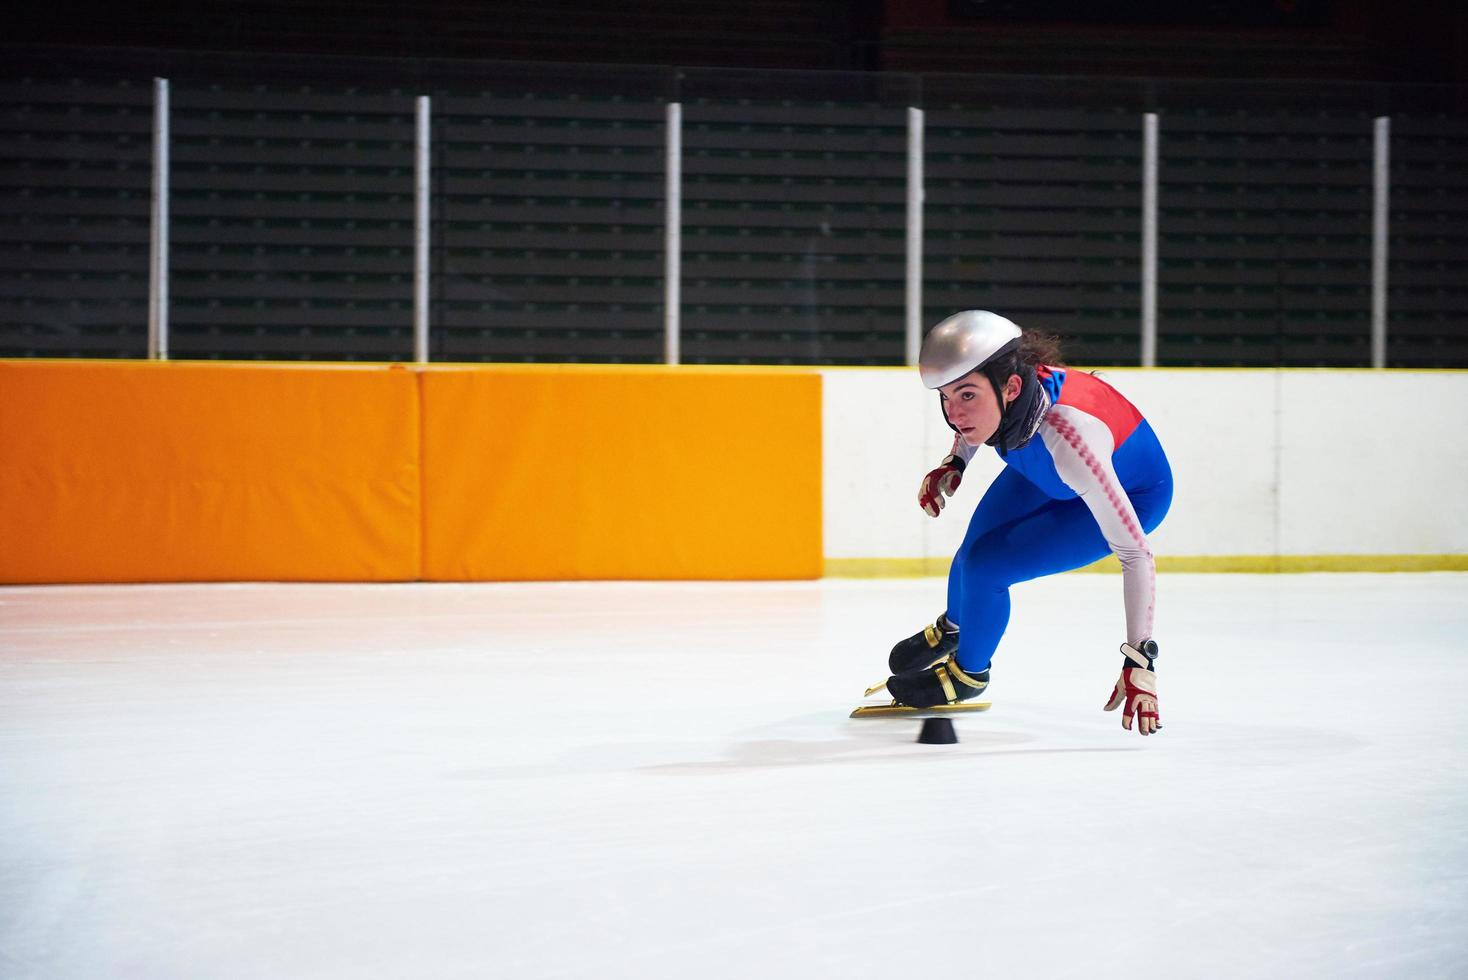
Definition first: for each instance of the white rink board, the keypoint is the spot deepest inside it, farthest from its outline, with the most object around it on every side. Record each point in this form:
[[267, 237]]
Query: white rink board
[[1374, 463], [1265, 462], [659, 780]]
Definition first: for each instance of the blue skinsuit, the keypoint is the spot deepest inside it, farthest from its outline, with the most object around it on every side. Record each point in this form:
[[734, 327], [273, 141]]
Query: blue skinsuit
[[1092, 480]]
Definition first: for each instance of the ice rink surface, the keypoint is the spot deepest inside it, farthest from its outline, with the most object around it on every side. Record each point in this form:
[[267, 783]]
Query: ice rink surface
[[660, 780]]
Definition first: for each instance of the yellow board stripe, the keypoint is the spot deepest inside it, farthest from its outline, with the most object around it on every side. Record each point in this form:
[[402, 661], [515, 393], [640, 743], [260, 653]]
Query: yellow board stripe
[[885, 567], [1251, 564]]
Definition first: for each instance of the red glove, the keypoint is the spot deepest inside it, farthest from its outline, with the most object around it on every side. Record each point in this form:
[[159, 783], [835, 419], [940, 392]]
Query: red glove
[[940, 482], [1137, 687]]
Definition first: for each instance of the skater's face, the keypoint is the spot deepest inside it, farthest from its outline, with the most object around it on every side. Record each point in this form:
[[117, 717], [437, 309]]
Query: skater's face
[[973, 408]]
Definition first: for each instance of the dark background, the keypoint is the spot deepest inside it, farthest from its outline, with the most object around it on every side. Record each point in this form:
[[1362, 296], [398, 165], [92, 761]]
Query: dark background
[[292, 166], [1376, 40]]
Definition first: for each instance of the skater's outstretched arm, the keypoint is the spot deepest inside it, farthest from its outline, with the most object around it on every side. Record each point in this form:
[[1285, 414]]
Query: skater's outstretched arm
[[1081, 446], [943, 481], [940, 483]]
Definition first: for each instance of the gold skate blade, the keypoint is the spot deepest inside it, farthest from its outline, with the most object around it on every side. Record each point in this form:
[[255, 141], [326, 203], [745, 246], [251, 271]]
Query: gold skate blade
[[904, 711], [873, 689]]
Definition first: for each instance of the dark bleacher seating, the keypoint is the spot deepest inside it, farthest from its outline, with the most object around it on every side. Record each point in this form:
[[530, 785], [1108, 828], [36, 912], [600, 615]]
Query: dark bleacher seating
[[292, 214], [1427, 275], [75, 206]]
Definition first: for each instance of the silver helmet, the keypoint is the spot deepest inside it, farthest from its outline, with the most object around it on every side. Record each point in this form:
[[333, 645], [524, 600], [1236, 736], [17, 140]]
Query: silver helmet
[[963, 342]]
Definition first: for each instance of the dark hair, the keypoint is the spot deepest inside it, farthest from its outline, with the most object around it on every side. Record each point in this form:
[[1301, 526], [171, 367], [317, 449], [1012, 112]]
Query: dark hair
[[1033, 349], [1037, 347]]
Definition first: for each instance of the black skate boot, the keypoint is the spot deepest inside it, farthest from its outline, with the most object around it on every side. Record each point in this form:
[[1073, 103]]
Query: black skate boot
[[942, 683], [924, 649]]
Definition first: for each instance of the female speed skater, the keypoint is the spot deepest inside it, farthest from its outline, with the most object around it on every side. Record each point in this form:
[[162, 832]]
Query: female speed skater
[[1084, 474]]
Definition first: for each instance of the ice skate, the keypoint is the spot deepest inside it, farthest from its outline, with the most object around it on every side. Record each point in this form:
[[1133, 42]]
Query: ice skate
[[925, 648], [935, 694], [895, 710], [943, 683]]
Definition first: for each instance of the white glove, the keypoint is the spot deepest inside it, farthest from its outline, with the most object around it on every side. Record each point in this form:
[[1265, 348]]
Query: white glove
[[1137, 687], [939, 483]]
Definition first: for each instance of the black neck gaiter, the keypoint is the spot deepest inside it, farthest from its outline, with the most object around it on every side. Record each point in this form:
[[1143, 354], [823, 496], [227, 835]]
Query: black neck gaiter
[[1022, 417]]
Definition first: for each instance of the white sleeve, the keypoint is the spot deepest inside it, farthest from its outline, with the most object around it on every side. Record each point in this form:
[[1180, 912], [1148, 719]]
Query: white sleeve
[[1081, 446], [963, 450]]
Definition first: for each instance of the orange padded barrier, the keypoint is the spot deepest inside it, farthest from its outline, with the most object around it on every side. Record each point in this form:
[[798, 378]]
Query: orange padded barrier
[[567, 472], [133, 471], [145, 471]]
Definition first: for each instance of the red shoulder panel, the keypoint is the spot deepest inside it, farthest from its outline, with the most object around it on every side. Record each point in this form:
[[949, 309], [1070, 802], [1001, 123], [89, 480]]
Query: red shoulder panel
[[1093, 396]]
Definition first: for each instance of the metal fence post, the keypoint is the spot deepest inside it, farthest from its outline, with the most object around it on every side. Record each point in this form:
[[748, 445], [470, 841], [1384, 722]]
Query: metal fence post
[[1381, 188], [1149, 239], [914, 234], [673, 236], [158, 236], [420, 234]]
